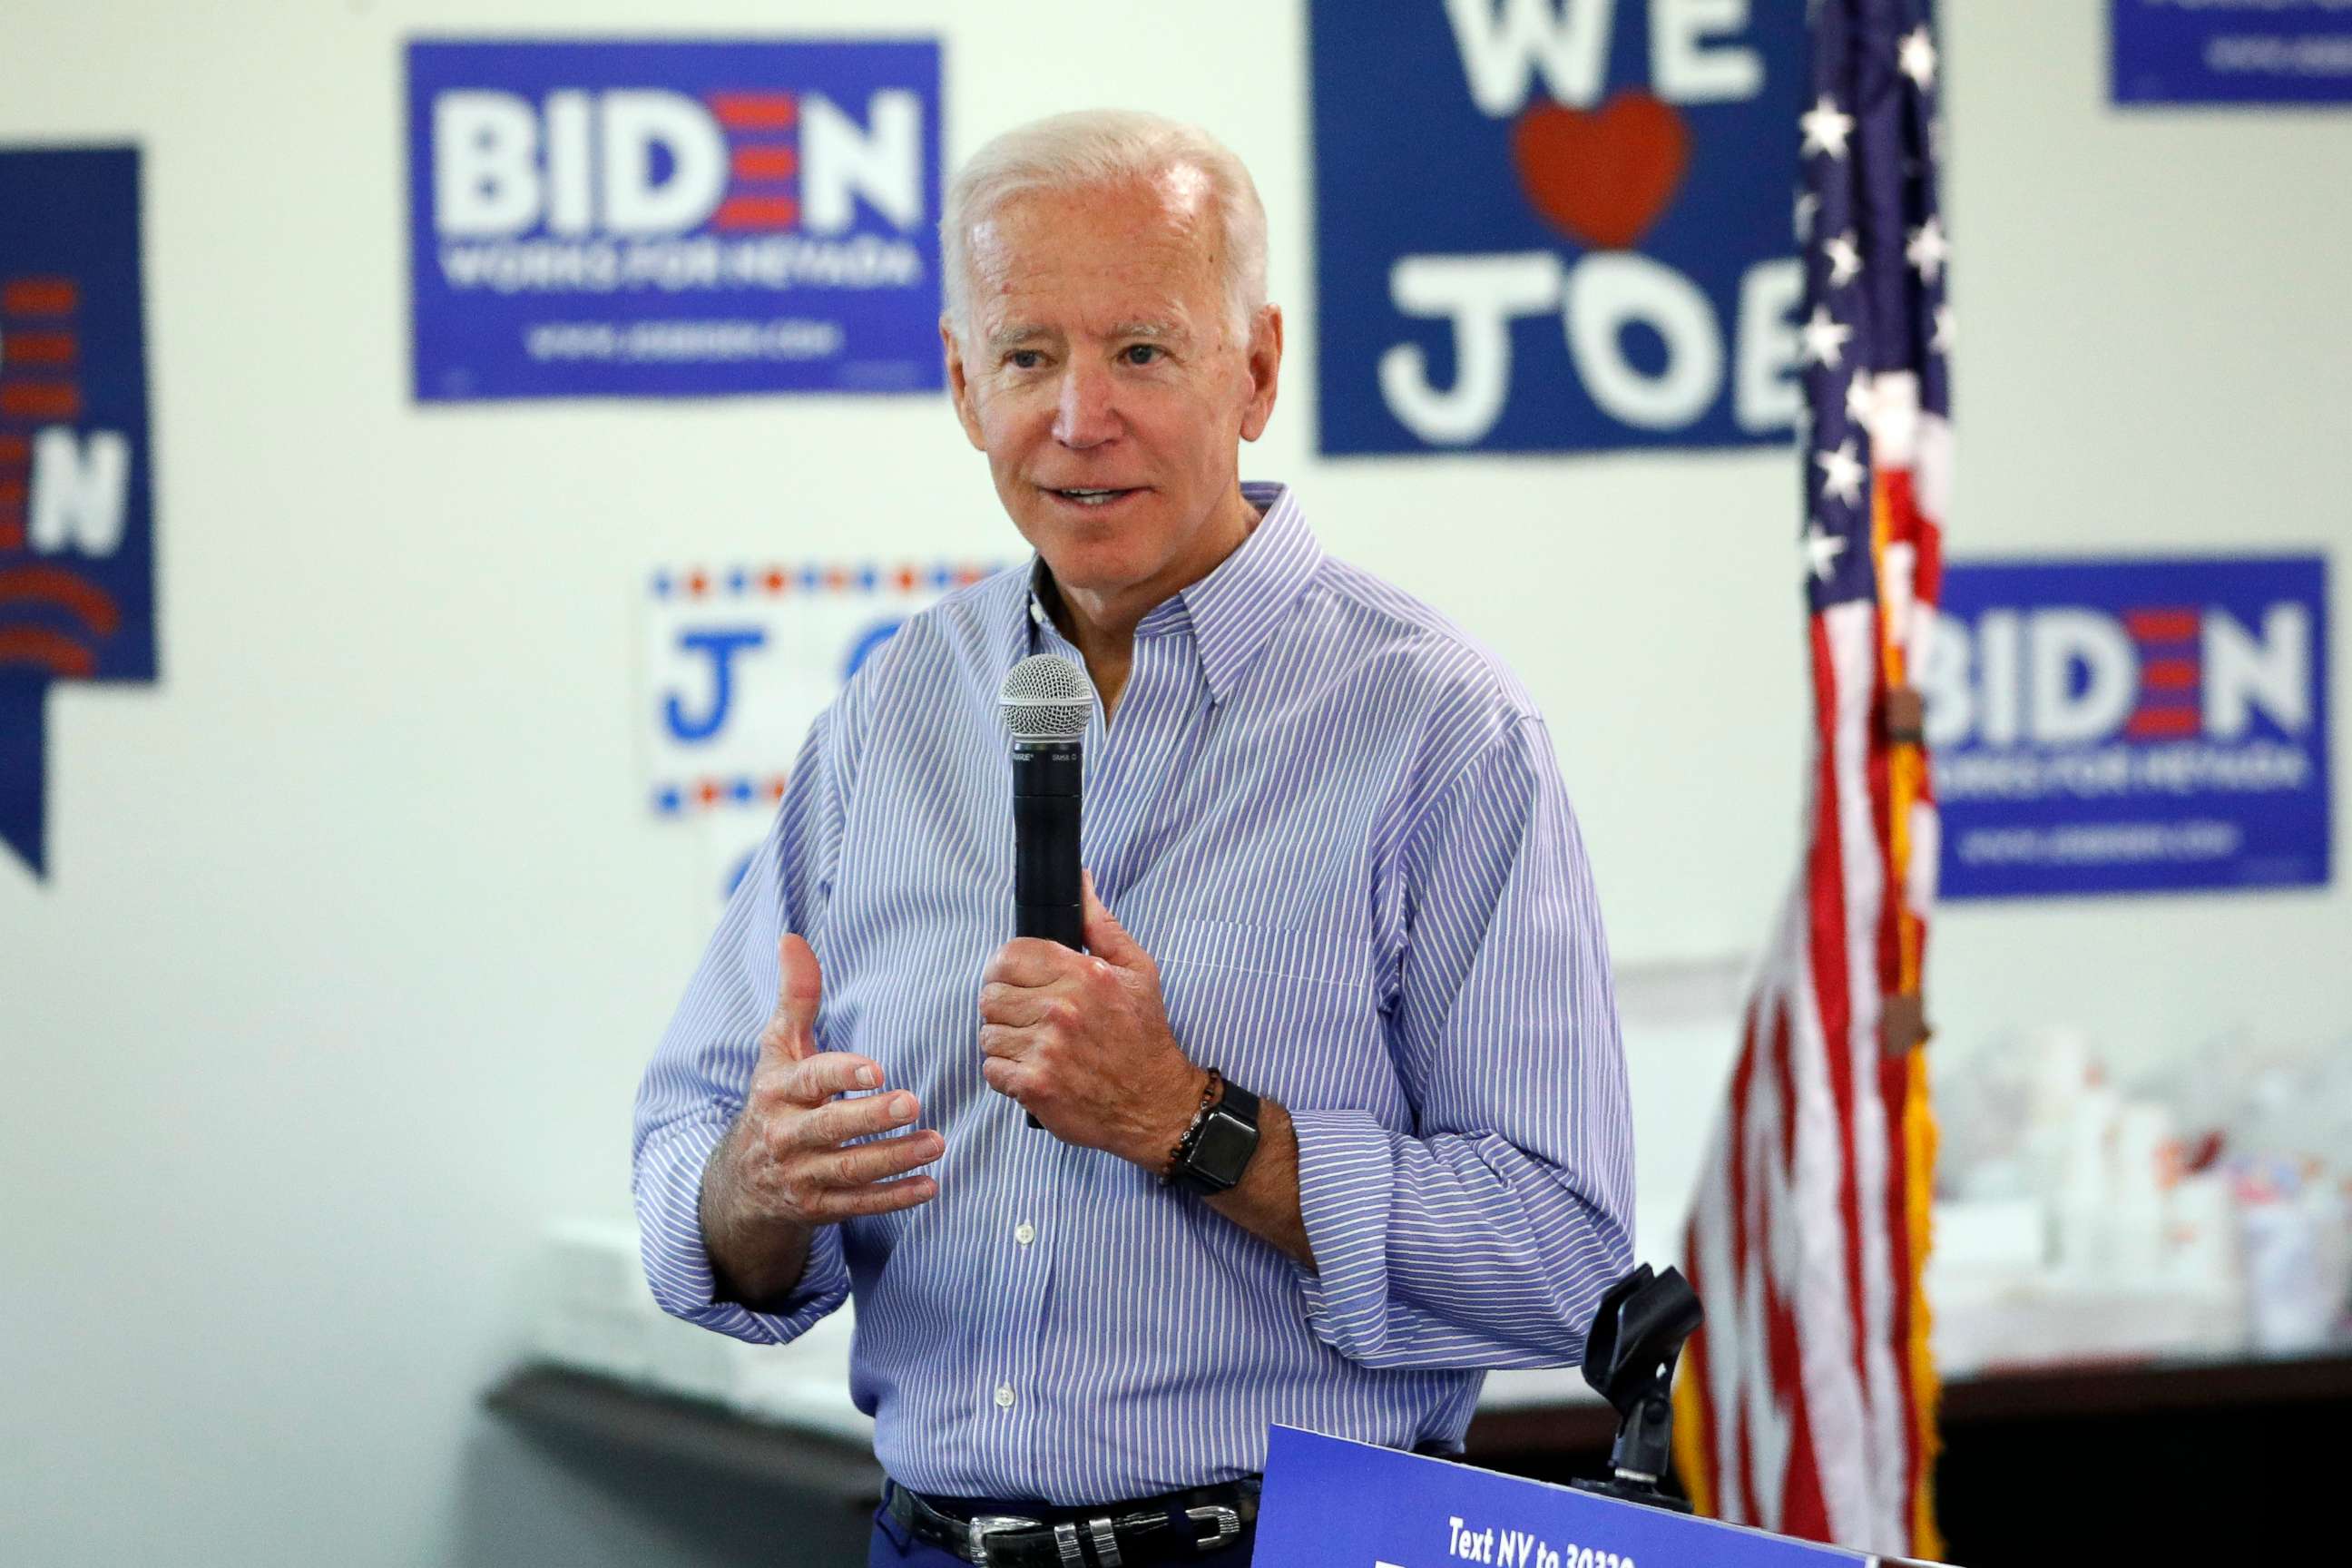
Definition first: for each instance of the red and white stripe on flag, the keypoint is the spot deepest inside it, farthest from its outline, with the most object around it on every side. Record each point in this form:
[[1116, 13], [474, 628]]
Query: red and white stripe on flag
[[1807, 1403]]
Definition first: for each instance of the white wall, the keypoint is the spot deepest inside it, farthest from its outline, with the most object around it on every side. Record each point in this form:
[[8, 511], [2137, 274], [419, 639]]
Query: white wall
[[2157, 353], [357, 933]]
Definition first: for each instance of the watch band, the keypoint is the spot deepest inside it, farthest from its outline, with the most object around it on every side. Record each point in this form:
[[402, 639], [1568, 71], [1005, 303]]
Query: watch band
[[1219, 1145]]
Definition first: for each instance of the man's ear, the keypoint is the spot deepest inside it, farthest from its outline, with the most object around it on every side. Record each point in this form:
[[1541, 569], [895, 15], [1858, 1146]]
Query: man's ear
[[959, 385], [1265, 369]]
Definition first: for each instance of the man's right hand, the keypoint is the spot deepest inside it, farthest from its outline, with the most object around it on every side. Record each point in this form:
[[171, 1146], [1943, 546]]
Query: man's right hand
[[780, 1171]]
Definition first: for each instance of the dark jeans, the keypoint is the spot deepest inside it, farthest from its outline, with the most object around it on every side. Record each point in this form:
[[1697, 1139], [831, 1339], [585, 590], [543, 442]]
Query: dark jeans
[[892, 1547]]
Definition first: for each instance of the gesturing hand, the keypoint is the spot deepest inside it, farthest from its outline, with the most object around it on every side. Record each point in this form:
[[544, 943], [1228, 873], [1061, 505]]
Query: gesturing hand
[[782, 1170], [1081, 1039]]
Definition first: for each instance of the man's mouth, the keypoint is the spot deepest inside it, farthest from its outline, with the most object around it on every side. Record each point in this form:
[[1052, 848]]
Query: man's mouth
[[1092, 498]]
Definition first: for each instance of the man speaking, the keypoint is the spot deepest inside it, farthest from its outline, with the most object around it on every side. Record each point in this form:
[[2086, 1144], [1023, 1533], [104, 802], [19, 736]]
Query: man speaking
[[1333, 1107]]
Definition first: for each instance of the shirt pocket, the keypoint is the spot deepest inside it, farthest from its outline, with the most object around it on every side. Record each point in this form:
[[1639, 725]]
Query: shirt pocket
[[1285, 1011], [1273, 953]]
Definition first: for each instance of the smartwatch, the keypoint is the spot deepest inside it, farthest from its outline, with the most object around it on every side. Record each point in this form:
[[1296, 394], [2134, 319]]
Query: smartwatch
[[1217, 1151]]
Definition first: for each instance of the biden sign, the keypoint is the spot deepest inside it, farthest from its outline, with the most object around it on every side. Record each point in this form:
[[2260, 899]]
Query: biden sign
[[651, 218], [2131, 725]]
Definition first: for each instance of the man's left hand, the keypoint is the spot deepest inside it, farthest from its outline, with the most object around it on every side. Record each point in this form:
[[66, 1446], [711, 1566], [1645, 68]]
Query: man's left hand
[[1081, 1039]]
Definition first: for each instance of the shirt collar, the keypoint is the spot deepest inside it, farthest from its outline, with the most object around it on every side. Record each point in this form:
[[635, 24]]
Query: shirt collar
[[1235, 608]]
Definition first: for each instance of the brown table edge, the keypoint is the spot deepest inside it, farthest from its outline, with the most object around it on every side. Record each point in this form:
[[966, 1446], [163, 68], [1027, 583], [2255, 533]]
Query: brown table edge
[[706, 1433]]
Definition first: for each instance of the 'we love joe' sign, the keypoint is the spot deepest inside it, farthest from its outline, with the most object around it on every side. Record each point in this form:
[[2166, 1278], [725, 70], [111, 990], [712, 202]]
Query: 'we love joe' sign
[[1545, 228]]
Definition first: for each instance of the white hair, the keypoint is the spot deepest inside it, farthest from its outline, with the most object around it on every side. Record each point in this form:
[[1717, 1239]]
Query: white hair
[[1097, 147]]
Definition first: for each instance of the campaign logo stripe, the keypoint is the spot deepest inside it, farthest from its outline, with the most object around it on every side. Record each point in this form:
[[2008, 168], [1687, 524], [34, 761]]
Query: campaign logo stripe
[[2157, 723], [15, 467], [40, 400], [755, 111], [92, 605], [765, 161], [2161, 624], [39, 297], [40, 348], [2171, 675], [737, 213], [55, 652]]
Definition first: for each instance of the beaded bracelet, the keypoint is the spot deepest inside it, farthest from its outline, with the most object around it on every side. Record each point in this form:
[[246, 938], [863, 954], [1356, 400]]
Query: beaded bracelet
[[1210, 1092]]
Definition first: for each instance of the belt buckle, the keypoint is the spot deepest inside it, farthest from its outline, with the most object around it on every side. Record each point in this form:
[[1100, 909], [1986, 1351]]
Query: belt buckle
[[982, 1526], [1228, 1523]]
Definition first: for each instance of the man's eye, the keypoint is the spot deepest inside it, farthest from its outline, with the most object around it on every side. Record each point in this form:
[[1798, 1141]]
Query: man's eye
[[1025, 358], [1144, 354]]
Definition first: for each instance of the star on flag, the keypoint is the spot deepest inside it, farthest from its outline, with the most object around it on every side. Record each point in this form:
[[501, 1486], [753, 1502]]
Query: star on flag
[[1928, 249], [1916, 58], [1826, 128], [1825, 338], [1842, 473], [1822, 549], [1844, 257], [1861, 400]]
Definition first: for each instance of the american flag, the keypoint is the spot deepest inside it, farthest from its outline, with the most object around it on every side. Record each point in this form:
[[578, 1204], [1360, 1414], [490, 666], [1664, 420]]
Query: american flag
[[1808, 1402]]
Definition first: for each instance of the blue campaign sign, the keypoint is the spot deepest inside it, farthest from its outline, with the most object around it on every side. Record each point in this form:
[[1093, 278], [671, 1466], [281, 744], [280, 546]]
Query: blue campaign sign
[[2131, 726], [651, 219], [2213, 51], [1548, 228], [77, 481], [1330, 1503]]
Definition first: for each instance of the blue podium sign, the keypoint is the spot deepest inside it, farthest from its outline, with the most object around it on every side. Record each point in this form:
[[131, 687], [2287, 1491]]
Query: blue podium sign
[[1330, 1503]]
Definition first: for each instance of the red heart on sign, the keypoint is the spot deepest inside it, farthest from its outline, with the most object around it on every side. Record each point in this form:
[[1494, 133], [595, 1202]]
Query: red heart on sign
[[1601, 179]]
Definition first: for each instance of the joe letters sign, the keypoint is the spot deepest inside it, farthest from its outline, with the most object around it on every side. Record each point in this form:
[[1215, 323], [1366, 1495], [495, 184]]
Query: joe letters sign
[[1556, 228]]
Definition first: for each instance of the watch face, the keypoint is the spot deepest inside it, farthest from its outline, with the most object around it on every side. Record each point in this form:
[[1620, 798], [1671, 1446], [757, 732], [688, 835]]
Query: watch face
[[1225, 1144]]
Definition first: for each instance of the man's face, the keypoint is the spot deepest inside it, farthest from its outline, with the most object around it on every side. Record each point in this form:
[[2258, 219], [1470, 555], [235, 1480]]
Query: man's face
[[1100, 364]]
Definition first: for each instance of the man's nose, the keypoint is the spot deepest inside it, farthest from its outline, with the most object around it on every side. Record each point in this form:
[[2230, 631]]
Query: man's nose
[[1086, 414]]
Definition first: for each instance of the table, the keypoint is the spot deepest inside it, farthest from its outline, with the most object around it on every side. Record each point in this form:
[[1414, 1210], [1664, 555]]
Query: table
[[2106, 1458]]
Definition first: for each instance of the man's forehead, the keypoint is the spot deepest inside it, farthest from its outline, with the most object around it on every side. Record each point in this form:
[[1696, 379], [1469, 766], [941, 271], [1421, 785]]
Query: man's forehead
[[1160, 220], [1179, 195], [1120, 261]]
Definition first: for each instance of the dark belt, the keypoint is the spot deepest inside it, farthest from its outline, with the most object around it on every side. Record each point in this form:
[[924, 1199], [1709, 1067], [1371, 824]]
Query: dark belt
[[1172, 1528]]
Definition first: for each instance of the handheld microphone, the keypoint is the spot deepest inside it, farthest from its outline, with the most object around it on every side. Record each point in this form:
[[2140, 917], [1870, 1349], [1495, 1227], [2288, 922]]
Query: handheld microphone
[[1046, 700]]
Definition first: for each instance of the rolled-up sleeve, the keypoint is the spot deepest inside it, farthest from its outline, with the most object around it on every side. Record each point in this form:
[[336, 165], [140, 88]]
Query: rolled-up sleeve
[[701, 1071], [1485, 1235]]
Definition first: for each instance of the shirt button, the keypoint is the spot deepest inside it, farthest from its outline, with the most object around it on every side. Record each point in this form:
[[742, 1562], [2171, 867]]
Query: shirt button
[[1004, 1396], [1024, 1233]]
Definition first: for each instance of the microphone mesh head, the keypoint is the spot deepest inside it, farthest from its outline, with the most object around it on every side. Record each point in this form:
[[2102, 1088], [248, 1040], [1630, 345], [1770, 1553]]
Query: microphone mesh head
[[1045, 698]]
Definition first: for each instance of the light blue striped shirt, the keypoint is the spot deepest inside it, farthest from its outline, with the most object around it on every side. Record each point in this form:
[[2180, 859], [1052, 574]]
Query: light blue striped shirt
[[1338, 826]]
